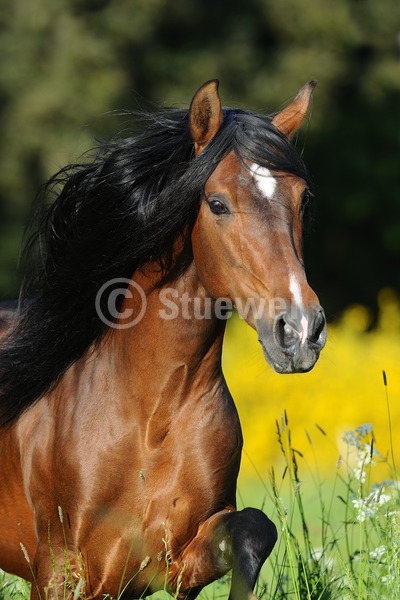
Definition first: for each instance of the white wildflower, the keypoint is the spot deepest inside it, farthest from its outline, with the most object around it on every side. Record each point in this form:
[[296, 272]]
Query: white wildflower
[[359, 474], [369, 507], [378, 553]]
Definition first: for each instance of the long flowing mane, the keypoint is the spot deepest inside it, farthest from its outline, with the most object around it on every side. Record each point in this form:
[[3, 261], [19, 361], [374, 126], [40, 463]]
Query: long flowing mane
[[108, 217]]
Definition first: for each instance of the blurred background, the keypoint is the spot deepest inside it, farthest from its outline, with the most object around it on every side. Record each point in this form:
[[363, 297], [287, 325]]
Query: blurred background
[[66, 65]]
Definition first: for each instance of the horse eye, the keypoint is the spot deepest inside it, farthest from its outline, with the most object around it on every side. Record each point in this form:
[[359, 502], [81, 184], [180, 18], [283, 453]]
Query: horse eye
[[217, 207], [305, 199]]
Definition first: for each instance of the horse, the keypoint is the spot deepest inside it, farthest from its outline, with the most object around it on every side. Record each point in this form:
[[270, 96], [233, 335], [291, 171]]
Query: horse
[[120, 441]]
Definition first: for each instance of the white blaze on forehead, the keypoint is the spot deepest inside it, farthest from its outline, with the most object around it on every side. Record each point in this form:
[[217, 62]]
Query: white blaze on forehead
[[265, 182]]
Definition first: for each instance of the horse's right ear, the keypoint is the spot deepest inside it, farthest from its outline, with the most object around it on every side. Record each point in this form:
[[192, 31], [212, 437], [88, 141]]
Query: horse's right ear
[[205, 114], [291, 117]]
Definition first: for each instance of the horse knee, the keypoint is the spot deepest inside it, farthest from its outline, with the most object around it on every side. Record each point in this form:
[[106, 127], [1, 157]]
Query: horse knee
[[207, 557]]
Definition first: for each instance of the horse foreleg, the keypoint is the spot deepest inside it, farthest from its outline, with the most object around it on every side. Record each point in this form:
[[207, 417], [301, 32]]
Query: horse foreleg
[[56, 573], [240, 541]]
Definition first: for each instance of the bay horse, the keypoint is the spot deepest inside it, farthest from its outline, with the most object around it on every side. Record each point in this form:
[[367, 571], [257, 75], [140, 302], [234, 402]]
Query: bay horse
[[120, 441]]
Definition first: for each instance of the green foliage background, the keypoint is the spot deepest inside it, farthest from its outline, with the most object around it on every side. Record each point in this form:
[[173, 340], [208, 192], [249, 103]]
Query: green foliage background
[[66, 64]]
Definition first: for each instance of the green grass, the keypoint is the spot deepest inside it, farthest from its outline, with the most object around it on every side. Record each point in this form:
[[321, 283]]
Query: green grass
[[339, 537], [13, 588]]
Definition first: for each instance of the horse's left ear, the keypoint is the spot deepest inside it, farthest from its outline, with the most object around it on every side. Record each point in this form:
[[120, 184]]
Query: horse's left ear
[[205, 114], [291, 117]]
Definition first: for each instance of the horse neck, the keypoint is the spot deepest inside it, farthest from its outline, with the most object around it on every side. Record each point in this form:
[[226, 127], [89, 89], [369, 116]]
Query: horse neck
[[174, 350]]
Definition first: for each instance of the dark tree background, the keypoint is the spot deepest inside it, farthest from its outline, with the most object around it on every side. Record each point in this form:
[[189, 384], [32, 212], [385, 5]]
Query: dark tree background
[[65, 65]]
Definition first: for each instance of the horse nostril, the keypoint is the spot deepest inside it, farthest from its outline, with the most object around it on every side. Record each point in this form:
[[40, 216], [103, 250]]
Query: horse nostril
[[287, 336], [292, 334], [318, 334]]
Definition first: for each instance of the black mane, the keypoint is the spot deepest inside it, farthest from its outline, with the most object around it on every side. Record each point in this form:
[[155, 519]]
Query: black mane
[[109, 217]]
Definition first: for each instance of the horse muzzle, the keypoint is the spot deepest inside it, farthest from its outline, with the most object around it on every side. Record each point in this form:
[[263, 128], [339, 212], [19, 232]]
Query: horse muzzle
[[293, 341]]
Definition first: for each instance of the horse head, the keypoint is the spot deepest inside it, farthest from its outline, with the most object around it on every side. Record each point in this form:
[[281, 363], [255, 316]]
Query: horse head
[[248, 237]]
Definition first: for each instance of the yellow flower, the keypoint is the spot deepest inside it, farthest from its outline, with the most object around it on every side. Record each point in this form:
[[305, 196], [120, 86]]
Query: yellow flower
[[345, 389]]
